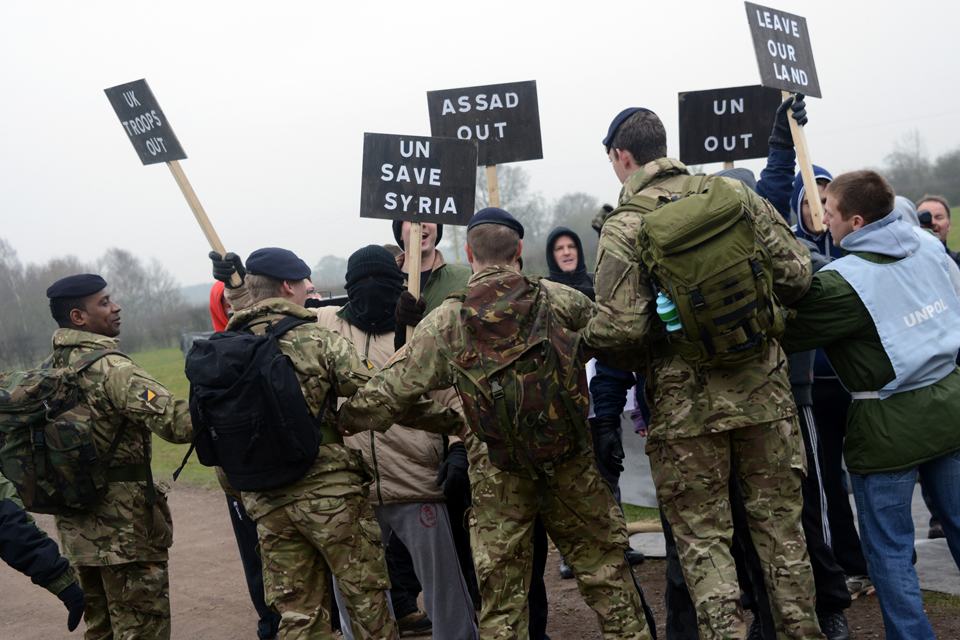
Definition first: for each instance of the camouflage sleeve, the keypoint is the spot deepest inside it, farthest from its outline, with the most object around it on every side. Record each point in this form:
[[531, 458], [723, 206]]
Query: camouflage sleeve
[[624, 298], [345, 367], [145, 401], [792, 270], [396, 394], [572, 308]]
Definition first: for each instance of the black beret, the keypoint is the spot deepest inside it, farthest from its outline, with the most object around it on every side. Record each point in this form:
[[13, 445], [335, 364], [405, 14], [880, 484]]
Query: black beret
[[78, 286], [282, 264], [494, 215], [398, 227], [372, 260], [619, 120]]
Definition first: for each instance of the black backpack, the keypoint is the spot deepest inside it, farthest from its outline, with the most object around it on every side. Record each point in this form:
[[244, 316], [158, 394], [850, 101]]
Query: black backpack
[[249, 414]]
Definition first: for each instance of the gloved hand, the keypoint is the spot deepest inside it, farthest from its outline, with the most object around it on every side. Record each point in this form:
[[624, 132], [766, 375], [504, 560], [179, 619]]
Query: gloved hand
[[409, 312], [609, 447], [72, 598], [781, 138], [225, 266], [453, 473]]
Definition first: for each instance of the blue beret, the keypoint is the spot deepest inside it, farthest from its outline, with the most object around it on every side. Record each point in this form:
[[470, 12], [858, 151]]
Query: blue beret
[[282, 264], [493, 215], [78, 286], [619, 120]]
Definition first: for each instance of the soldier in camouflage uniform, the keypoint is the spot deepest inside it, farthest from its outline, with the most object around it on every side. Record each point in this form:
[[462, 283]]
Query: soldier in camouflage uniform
[[322, 523], [585, 522], [741, 419], [119, 547]]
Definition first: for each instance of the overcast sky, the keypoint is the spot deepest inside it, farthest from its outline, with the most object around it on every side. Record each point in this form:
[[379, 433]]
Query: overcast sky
[[270, 102]]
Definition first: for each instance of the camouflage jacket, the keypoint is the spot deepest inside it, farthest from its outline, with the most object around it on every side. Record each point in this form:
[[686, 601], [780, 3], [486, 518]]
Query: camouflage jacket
[[424, 364], [326, 365], [122, 527], [730, 398]]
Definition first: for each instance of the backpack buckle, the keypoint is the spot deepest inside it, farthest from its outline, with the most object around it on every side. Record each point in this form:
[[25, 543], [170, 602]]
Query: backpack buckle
[[757, 269], [496, 389], [697, 299], [547, 468], [36, 438]]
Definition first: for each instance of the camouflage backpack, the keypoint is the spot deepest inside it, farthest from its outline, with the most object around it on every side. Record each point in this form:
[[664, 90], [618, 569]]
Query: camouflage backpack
[[521, 378], [701, 251], [46, 438]]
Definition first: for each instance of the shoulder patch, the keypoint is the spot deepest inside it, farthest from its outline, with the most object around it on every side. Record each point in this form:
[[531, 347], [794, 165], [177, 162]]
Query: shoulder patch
[[610, 272]]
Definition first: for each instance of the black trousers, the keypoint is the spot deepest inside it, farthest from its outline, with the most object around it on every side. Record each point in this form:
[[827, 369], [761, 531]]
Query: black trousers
[[245, 531]]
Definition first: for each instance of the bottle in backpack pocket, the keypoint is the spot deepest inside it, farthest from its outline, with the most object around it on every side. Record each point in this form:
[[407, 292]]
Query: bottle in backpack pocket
[[668, 312]]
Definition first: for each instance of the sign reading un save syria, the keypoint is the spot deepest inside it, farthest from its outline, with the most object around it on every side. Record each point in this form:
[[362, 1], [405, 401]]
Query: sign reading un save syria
[[784, 55], [418, 179], [143, 120], [503, 118], [723, 125]]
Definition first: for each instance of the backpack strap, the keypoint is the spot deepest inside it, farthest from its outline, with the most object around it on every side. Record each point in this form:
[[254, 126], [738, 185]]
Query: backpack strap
[[286, 324]]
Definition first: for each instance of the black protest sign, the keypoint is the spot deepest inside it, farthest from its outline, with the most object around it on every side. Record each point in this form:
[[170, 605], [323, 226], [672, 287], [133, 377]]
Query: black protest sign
[[418, 179], [503, 118], [143, 120], [784, 55], [723, 125]]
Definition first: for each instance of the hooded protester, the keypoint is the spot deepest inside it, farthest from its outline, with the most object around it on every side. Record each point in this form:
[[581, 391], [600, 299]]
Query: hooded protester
[[804, 227], [566, 261]]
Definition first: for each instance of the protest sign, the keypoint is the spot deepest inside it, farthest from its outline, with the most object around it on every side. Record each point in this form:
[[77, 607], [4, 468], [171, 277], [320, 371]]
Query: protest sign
[[785, 59], [154, 140], [723, 125]]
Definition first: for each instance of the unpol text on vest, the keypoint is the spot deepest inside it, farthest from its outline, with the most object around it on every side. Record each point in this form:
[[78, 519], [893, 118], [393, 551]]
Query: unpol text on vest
[[925, 313]]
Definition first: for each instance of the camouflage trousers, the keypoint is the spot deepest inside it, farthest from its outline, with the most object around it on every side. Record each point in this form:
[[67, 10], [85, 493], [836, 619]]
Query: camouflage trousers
[[587, 526], [305, 541], [692, 477], [125, 601]]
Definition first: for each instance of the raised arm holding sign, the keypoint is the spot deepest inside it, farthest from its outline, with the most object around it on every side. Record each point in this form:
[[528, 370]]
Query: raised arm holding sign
[[154, 140], [785, 59]]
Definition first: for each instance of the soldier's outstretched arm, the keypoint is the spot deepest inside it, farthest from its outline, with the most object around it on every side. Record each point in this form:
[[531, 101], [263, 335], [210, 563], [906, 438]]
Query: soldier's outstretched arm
[[145, 401], [624, 299], [344, 366], [792, 271]]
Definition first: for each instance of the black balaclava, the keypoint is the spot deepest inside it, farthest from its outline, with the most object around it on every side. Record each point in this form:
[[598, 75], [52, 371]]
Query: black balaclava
[[374, 284]]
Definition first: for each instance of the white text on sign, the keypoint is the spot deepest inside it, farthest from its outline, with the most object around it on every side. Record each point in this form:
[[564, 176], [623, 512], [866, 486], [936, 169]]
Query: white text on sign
[[142, 124], [421, 176], [781, 51]]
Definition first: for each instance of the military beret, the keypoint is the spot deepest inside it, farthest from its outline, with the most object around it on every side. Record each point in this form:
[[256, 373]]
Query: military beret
[[619, 120], [398, 227], [78, 286], [282, 264], [494, 215]]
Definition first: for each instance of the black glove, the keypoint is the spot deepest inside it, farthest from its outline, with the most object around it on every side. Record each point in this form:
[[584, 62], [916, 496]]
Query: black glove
[[781, 138], [609, 447], [225, 266], [409, 312], [453, 473], [72, 598]]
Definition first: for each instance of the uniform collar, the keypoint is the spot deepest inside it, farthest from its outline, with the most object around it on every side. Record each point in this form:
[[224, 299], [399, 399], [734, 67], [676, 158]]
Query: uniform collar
[[269, 307], [492, 273], [651, 174], [72, 338]]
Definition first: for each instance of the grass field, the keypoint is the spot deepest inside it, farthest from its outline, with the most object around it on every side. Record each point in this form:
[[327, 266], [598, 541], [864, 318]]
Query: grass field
[[953, 238]]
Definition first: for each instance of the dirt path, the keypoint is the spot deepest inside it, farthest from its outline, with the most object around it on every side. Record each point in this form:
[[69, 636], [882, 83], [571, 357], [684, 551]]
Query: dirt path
[[209, 598]]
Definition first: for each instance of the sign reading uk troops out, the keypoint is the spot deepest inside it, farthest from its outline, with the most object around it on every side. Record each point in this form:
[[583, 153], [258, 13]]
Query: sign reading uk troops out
[[143, 120], [418, 179], [723, 125], [784, 55], [503, 118]]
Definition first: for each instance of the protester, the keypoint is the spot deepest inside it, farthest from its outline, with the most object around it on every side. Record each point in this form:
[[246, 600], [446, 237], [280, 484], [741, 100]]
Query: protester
[[694, 443], [894, 346], [119, 546], [574, 504], [939, 220]]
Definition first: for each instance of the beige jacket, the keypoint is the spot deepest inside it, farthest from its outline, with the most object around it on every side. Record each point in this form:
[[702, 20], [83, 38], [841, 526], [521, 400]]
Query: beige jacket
[[404, 461]]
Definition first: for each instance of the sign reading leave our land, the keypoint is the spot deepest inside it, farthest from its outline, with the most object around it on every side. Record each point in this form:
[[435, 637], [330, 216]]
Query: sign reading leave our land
[[723, 125], [504, 119], [143, 120], [784, 55], [418, 179]]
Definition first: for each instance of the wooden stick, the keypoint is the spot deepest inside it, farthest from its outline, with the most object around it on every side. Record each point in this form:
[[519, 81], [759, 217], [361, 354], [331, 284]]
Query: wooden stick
[[727, 165], [493, 189], [644, 526], [200, 214], [806, 170], [413, 253]]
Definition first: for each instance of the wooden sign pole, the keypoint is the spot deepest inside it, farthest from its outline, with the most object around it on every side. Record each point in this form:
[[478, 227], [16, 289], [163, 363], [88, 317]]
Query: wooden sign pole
[[493, 189], [806, 170], [200, 214], [413, 277], [727, 165]]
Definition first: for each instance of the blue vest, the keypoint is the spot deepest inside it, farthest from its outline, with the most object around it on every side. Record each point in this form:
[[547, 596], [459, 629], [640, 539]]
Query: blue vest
[[916, 311]]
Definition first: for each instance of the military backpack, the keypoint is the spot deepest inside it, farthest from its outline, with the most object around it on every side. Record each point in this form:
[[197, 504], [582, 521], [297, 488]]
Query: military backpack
[[521, 378], [46, 439], [701, 251], [249, 414]]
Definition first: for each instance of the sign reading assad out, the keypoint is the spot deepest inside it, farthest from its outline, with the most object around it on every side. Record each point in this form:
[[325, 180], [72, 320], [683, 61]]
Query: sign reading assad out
[[418, 179], [723, 125], [504, 119], [143, 120], [784, 55]]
